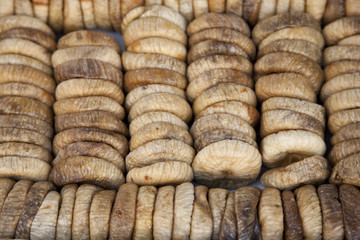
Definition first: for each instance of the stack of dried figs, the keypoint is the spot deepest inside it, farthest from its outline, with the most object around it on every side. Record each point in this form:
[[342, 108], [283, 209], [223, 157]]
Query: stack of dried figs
[[161, 146], [90, 144], [288, 77], [224, 102], [341, 97], [26, 97]]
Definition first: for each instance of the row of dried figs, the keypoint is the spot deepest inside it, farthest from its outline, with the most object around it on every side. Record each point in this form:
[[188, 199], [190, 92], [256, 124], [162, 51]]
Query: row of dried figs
[[26, 97], [38, 211]]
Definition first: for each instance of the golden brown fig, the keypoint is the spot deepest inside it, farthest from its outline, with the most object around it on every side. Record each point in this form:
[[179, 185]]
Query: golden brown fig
[[5, 187], [341, 119], [334, 10], [350, 198], [200, 7], [347, 99], [352, 40], [41, 9], [339, 53], [348, 132], [340, 83], [18, 59], [73, 17], [340, 29], [115, 14], [56, 17], [132, 15], [347, 171], [201, 222], [344, 149], [217, 201], [235, 7], [341, 67], [28, 150], [292, 220], [228, 222], [163, 213], [352, 8], [316, 8], [251, 11]]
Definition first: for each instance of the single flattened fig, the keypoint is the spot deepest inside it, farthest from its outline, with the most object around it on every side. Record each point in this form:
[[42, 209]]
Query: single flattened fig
[[41, 9], [343, 150], [228, 222], [91, 149], [267, 9], [316, 8], [6, 185], [90, 69], [34, 35], [280, 62], [219, 61], [282, 6], [183, 209], [352, 40], [251, 11], [285, 147], [117, 141], [186, 9], [64, 221], [101, 53], [235, 7], [115, 14], [133, 61], [344, 100], [311, 170], [25, 61], [73, 88], [161, 173], [25, 74], [246, 201], [348, 132], [145, 76], [100, 211], [166, 102], [56, 17], [341, 119], [217, 6], [80, 220], [217, 201], [73, 17], [91, 103], [126, 6], [34, 199], [297, 6], [350, 199], [123, 213], [87, 38], [334, 10], [333, 225], [159, 130], [18, 149], [340, 83], [228, 163], [91, 119], [339, 53], [200, 7], [292, 220], [306, 48], [45, 221], [153, 27], [341, 67], [132, 15], [150, 117], [102, 16], [352, 8], [12, 208], [201, 222], [310, 211], [145, 205], [163, 213], [340, 29], [7, 7], [158, 151], [347, 171], [221, 121], [219, 134]]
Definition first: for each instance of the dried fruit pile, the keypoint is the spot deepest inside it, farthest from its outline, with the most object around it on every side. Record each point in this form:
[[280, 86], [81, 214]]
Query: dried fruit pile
[[26, 97], [341, 97], [90, 144]]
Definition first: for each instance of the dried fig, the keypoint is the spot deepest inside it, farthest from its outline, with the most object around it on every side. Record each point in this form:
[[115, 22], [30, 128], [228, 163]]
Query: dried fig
[[163, 213], [292, 220], [350, 198]]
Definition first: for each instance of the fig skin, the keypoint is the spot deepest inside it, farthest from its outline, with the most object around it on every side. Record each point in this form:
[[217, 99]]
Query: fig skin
[[350, 201], [292, 220]]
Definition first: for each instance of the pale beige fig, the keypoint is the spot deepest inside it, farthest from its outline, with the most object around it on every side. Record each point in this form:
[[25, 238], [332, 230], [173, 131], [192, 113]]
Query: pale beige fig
[[226, 35], [100, 211], [101, 13], [271, 214], [159, 130], [340, 29], [348, 132], [163, 213], [21, 21], [306, 48], [81, 87], [228, 222], [352, 40], [218, 61], [80, 221], [117, 141], [186, 9], [183, 209], [18, 149], [56, 17], [282, 120], [5, 187], [217, 201], [23, 7], [150, 117], [316, 8], [115, 14], [173, 4], [221, 121], [311, 170], [341, 119], [73, 17], [251, 11], [89, 69], [237, 108], [346, 171], [333, 225], [91, 119], [292, 220], [7, 8], [282, 6], [224, 92], [101, 53], [123, 214], [91, 103], [130, 16], [153, 27], [145, 76], [334, 10], [352, 8], [310, 211], [161, 173], [64, 222], [18, 59], [200, 7], [297, 6], [12, 208], [341, 67], [267, 9], [201, 222], [286, 84], [87, 9], [340, 83], [283, 148], [347, 99], [349, 198], [166, 102], [44, 224], [142, 91], [218, 20], [126, 6], [279, 62], [228, 163], [36, 195], [235, 7], [339, 53]]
